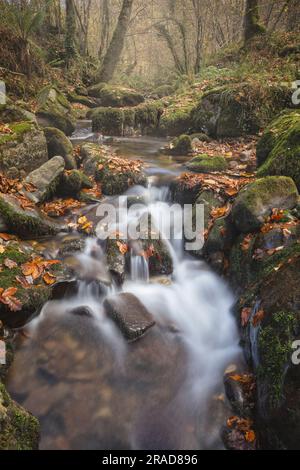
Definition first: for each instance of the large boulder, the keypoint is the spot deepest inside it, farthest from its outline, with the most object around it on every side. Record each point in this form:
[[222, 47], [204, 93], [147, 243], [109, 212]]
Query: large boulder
[[256, 201], [27, 222], [109, 121], [278, 151], [19, 430], [45, 180], [115, 96], [236, 110], [11, 112], [55, 110], [24, 148], [130, 315], [59, 144]]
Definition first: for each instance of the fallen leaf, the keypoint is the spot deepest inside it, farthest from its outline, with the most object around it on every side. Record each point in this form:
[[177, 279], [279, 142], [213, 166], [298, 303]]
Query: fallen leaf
[[250, 436], [7, 297], [258, 318], [49, 279], [245, 316], [10, 264], [123, 248]]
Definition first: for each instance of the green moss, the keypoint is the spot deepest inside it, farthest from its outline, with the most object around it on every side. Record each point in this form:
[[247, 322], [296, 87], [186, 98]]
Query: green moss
[[18, 129], [109, 121], [279, 148], [176, 121], [182, 145], [73, 182], [19, 429], [115, 96], [147, 116], [206, 164], [275, 346]]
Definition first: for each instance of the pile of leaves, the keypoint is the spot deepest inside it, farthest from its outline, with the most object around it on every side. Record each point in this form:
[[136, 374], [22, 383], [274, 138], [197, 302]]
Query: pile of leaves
[[229, 148], [60, 207], [119, 165], [15, 187]]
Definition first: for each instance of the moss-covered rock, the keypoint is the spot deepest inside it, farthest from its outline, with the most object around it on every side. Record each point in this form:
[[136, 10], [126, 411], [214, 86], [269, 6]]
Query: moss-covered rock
[[73, 182], [162, 91], [115, 96], [55, 110], [206, 164], [109, 121], [185, 190], [182, 145], [14, 113], [19, 430], [25, 148], [256, 201], [25, 222], [278, 151], [45, 180], [73, 97], [176, 121], [148, 116], [235, 110], [59, 144]]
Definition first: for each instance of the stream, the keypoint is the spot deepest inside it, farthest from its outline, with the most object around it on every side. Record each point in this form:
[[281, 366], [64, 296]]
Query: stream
[[90, 388]]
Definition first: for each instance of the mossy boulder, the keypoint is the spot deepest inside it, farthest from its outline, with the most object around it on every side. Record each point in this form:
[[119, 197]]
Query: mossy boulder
[[19, 430], [25, 148], [59, 144], [147, 117], [207, 164], [278, 151], [185, 190], [73, 97], [55, 111], [73, 182], [176, 121], [256, 201], [115, 96], [236, 110], [25, 222], [14, 113], [108, 121], [162, 91], [45, 180], [182, 145]]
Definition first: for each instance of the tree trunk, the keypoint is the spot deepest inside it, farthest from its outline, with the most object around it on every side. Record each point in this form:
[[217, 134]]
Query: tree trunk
[[113, 54], [252, 20], [70, 39]]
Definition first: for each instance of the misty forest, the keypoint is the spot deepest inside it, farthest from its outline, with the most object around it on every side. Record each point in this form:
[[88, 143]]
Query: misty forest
[[149, 225]]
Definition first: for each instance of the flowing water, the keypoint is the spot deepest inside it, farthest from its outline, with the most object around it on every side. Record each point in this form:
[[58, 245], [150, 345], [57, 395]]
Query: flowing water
[[91, 389]]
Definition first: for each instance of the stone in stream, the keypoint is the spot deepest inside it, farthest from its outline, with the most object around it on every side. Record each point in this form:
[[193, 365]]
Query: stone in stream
[[59, 144], [256, 201], [130, 315], [24, 149], [207, 164], [25, 222], [45, 180]]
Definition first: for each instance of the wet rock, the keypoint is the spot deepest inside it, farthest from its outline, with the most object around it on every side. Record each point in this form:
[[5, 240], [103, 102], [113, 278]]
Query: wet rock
[[25, 149], [256, 201], [115, 96], [116, 261], [83, 99], [55, 110], [185, 191], [108, 121], [130, 315], [45, 179], [180, 146], [221, 236], [278, 149], [59, 144], [71, 246], [206, 164], [234, 439], [26, 223], [240, 395], [72, 183], [19, 430], [81, 312]]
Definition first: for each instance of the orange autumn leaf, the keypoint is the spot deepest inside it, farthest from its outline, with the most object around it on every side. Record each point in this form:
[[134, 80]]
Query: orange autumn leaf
[[7, 237], [245, 316], [245, 245], [250, 436], [219, 212], [10, 264], [49, 279], [7, 297], [258, 318], [123, 248]]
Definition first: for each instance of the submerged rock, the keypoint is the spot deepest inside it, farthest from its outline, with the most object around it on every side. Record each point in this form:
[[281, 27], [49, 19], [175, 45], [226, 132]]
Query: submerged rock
[[45, 180], [256, 201], [19, 430], [59, 144], [25, 148], [130, 315]]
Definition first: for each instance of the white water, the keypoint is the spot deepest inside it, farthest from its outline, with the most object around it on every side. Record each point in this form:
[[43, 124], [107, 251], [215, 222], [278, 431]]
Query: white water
[[196, 303]]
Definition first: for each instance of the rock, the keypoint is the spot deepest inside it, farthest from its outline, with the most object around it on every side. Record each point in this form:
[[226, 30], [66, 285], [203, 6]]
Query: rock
[[55, 110], [59, 144], [130, 315], [71, 246], [206, 164], [201, 137], [109, 121], [222, 112], [239, 395], [162, 91], [221, 236], [116, 261], [176, 120], [115, 96], [82, 99], [185, 190], [12, 113], [27, 223], [72, 183], [245, 156], [180, 146], [19, 430], [256, 201], [24, 149], [233, 165], [3, 226], [278, 149], [45, 179], [81, 312]]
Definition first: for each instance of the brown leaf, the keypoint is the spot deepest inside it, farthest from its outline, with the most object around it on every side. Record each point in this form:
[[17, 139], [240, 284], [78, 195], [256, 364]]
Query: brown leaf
[[250, 436], [7, 297], [123, 248], [49, 279], [10, 264], [245, 316], [258, 318]]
